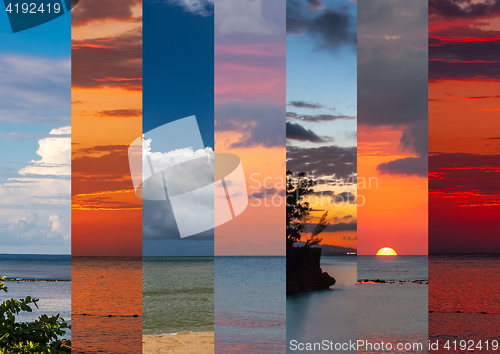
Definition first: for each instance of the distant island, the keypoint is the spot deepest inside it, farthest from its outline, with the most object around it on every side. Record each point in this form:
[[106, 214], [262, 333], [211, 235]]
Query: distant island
[[331, 250]]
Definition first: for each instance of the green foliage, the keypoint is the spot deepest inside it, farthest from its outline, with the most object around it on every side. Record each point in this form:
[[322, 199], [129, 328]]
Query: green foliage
[[298, 187], [40, 336]]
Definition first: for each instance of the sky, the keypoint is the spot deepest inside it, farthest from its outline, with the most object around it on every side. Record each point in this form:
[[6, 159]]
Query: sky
[[179, 83], [464, 129], [322, 110], [106, 91], [250, 76], [392, 126], [35, 138]]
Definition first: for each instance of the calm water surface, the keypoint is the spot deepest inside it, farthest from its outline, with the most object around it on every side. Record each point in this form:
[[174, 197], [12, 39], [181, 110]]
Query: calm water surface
[[393, 313], [178, 295], [104, 286], [250, 309], [329, 314], [467, 283]]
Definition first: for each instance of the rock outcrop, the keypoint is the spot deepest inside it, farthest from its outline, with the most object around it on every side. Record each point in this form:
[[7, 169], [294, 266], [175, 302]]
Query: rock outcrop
[[303, 271]]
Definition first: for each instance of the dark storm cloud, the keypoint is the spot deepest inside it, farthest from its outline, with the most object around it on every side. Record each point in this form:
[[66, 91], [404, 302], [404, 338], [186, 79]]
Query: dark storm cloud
[[330, 28], [463, 60], [464, 9], [393, 23], [407, 166], [415, 138], [317, 118], [393, 89], [461, 172], [108, 62], [103, 10], [159, 223], [323, 161], [298, 132], [260, 123], [304, 104], [393, 76]]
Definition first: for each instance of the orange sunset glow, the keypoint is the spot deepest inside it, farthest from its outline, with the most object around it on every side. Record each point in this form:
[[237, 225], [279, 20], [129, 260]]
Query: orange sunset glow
[[106, 118], [392, 131]]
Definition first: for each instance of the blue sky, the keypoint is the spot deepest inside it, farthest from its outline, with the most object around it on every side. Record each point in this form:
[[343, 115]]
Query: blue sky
[[178, 82], [321, 68], [35, 103]]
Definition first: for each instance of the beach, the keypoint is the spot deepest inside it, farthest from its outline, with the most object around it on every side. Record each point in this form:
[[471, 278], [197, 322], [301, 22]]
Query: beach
[[181, 343]]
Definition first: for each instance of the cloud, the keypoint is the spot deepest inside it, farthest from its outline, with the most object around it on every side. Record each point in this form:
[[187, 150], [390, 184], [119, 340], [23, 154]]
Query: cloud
[[242, 16], [351, 226], [35, 89], [407, 166], [298, 132], [33, 230], [17, 136], [464, 9], [392, 52], [266, 192], [392, 23], [196, 7], [465, 174], [463, 60], [121, 113], [107, 166], [323, 161], [43, 181], [304, 104], [104, 11], [384, 95], [330, 28], [108, 62], [260, 123], [344, 197], [178, 192], [55, 156], [318, 118]]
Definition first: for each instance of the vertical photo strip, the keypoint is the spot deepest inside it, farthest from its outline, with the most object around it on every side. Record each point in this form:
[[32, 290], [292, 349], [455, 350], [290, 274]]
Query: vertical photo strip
[[35, 185], [321, 185]]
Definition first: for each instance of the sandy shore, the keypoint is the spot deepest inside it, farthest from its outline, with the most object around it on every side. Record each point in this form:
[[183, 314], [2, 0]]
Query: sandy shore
[[182, 343]]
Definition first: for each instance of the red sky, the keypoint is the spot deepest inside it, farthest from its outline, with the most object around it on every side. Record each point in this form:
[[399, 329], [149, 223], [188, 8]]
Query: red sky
[[464, 129]]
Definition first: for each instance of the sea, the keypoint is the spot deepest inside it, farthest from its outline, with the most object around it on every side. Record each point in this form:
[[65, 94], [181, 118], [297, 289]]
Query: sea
[[50, 277], [178, 295], [107, 305], [250, 306], [394, 312], [325, 315], [464, 297]]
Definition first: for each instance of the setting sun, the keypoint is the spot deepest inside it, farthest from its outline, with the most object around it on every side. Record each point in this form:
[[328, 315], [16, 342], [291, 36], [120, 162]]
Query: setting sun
[[386, 251]]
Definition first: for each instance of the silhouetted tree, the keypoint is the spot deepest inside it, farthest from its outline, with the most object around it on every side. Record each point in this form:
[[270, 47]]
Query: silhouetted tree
[[298, 187]]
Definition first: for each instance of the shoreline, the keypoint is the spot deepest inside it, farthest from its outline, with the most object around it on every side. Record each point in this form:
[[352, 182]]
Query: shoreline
[[181, 343]]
